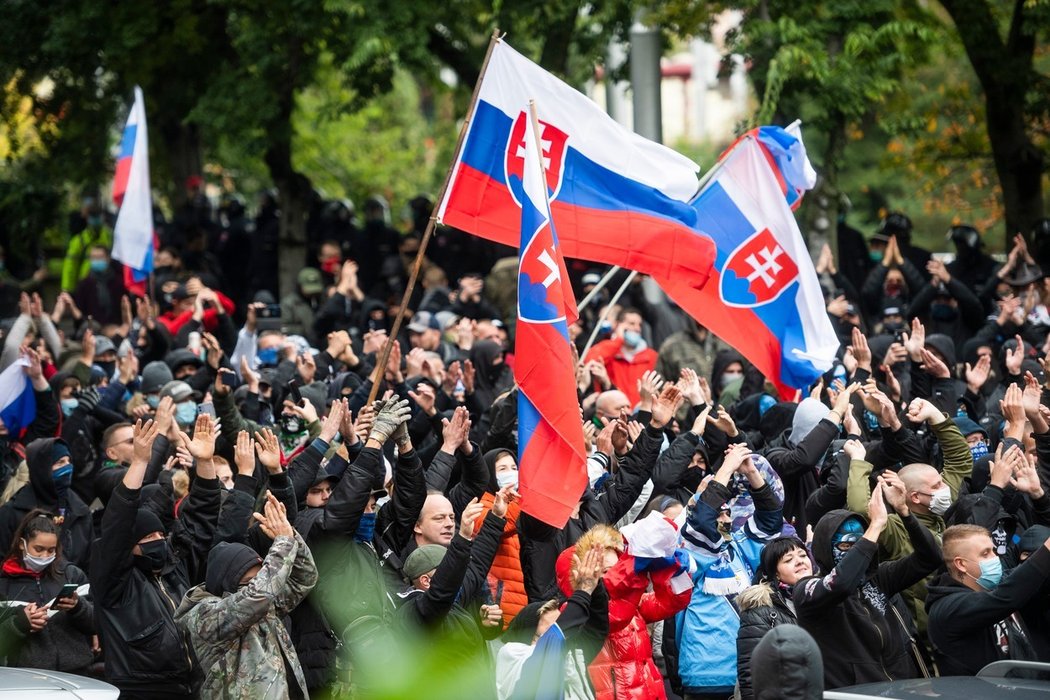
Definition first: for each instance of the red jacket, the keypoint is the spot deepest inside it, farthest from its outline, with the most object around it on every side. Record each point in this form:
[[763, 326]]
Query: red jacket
[[624, 668], [623, 373], [174, 322]]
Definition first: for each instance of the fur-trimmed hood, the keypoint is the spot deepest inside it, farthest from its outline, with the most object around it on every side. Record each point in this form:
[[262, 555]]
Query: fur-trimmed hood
[[604, 536]]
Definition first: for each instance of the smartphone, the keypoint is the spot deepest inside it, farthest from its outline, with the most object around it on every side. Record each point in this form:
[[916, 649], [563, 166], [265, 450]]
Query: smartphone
[[208, 408], [228, 379], [293, 390], [67, 591], [269, 311]]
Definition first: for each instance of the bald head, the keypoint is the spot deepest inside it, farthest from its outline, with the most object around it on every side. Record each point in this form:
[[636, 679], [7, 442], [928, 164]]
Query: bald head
[[921, 482], [610, 403]]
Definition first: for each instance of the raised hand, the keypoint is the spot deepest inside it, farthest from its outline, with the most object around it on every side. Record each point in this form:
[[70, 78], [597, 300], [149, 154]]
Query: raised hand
[[603, 441], [363, 424], [689, 385], [724, 422], [1025, 477], [374, 342], [1012, 405], [143, 435], [915, 342], [304, 409], [214, 350], [268, 449], [425, 398], [165, 415], [332, 422], [855, 449], [619, 436], [1015, 356], [895, 491], [205, 432], [453, 432], [648, 388], [244, 453], [588, 570], [273, 521], [977, 374], [502, 500], [665, 406], [306, 366], [700, 423], [414, 362], [470, 373], [390, 417], [470, 514], [934, 366], [877, 515], [735, 455], [922, 411]]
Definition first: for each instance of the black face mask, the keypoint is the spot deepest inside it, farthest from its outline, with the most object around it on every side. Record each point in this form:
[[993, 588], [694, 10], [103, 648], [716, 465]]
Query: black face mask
[[154, 556], [108, 368]]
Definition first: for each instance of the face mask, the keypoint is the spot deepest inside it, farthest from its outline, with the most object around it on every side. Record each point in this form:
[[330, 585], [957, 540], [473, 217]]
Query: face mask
[[941, 501], [632, 339], [291, 424], [331, 265], [875, 255], [154, 556], [726, 379], [724, 529], [605, 327], [107, 368], [507, 478], [979, 450], [36, 564], [943, 312], [98, 266], [365, 528], [267, 357], [892, 327], [68, 406], [63, 477], [186, 413], [991, 573], [95, 221], [153, 400]]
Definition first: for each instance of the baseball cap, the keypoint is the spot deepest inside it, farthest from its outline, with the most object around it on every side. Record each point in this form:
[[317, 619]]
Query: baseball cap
[[422, 321], [310, 281], [424, 559], [591, 278]]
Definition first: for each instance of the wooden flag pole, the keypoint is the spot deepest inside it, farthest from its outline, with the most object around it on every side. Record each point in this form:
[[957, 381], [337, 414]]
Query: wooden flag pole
[[384, 355]]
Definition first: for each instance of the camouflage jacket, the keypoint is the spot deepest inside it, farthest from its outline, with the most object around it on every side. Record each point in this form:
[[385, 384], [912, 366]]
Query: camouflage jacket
[[239, 639]]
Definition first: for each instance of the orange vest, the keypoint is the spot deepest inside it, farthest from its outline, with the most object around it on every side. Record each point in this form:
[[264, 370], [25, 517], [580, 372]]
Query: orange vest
[[506, 566]]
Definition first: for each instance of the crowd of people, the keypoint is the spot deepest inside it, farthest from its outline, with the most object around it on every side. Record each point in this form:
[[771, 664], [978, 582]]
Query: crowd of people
[[205, 503]]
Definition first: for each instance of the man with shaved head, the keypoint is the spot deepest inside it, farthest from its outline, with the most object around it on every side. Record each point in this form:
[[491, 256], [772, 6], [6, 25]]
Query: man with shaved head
[[610, 403], [928, 492], [975, 610]]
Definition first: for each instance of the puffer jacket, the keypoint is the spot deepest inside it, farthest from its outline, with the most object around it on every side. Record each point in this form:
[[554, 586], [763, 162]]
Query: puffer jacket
[[762, 607], [241, 644], [65, 643], [506, 567], [624, 668]]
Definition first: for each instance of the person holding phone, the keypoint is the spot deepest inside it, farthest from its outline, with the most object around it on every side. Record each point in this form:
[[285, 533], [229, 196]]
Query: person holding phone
[[54, 626]]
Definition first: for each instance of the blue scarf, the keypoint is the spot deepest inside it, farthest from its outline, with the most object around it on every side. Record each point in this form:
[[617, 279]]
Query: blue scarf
[[366, 528]]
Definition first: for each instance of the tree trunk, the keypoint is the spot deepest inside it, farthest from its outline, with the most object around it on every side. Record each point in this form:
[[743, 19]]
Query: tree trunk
[[294, 193], [182, 143], [1018, 164]]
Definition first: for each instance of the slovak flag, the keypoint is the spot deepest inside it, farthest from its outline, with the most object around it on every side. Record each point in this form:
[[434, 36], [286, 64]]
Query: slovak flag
[[615, 197], [17, 400], [764, 297], [552, 473], [133, 232]]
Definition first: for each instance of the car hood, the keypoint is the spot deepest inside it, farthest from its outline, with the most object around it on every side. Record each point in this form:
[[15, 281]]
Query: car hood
[[950, 687]]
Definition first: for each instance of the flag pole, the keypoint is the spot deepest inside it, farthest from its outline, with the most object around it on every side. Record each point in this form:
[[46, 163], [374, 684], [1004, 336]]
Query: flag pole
[[384, 354], [605, 314]]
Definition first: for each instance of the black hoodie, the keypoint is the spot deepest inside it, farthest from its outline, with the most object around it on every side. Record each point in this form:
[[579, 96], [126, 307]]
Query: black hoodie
[[860, 642], [967, 627], [40, 493]]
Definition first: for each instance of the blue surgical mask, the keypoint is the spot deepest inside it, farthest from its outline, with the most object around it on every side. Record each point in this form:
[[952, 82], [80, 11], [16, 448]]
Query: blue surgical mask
[[991, 573], [632, 339], [979, 450], [507, 478], [186, 413], [63, 478], [153, 400], [267, 356], [99, 265], [68, 406]]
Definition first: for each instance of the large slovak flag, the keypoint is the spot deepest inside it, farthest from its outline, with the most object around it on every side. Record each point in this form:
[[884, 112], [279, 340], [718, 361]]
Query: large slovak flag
[[17, 400], [764, 297], [552, 471], [616, 197], [133, 233]]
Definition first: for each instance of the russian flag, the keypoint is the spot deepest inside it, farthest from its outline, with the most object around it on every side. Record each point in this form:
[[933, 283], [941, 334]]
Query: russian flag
[[133, 232], [763, 297], [552, 473], [616, 197], [17, 400]]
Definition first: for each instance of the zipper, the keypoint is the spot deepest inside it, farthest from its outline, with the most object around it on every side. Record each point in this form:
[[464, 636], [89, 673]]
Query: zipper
[[882, 642], [182, 640]]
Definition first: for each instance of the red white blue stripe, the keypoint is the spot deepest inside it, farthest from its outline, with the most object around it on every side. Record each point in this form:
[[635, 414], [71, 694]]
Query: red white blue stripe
[[17, 400], [133, 232]]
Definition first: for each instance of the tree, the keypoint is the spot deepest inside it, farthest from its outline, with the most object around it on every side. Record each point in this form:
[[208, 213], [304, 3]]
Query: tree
[[1000, 40]]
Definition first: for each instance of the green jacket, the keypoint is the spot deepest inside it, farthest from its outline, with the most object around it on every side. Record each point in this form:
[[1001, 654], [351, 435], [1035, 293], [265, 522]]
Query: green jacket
[[240, 641], [894, 542], [76, 265]]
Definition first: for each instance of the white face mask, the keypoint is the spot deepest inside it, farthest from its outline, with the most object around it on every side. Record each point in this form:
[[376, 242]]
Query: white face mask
[[36, 564], [507, 478], [941, 501]]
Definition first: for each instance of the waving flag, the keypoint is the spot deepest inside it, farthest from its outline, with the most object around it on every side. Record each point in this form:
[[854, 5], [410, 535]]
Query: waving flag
[[763, 298], [615, 197], [133, 233], [17, 400], [552, 471]]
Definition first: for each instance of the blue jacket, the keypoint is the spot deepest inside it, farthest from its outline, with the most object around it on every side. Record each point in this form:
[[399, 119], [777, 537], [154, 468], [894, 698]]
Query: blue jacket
[[707, 629]]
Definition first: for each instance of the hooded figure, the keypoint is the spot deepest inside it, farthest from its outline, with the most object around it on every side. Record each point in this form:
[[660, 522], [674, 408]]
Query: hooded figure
[[506, 567], [49, 488], [854, 611], [786, 665], [493, 376], [234, 619]]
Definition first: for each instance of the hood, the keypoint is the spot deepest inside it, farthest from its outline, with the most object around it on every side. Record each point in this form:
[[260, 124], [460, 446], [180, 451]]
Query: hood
[[748, 412], [806, 417], [962, 512], [970, 348], [943, 586], [1033, 538], [777, 419], [823, 532], [227, 563], [316, 393], [490, 458], [38, 460], [193, 596], [786, 665], [723, 358], [757, 596], [945, 346]]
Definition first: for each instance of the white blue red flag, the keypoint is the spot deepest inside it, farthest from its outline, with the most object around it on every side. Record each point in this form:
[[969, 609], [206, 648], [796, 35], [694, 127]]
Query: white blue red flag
[[616, 197], [763, 297], [133, 232], [552, 473], [17, 400]]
